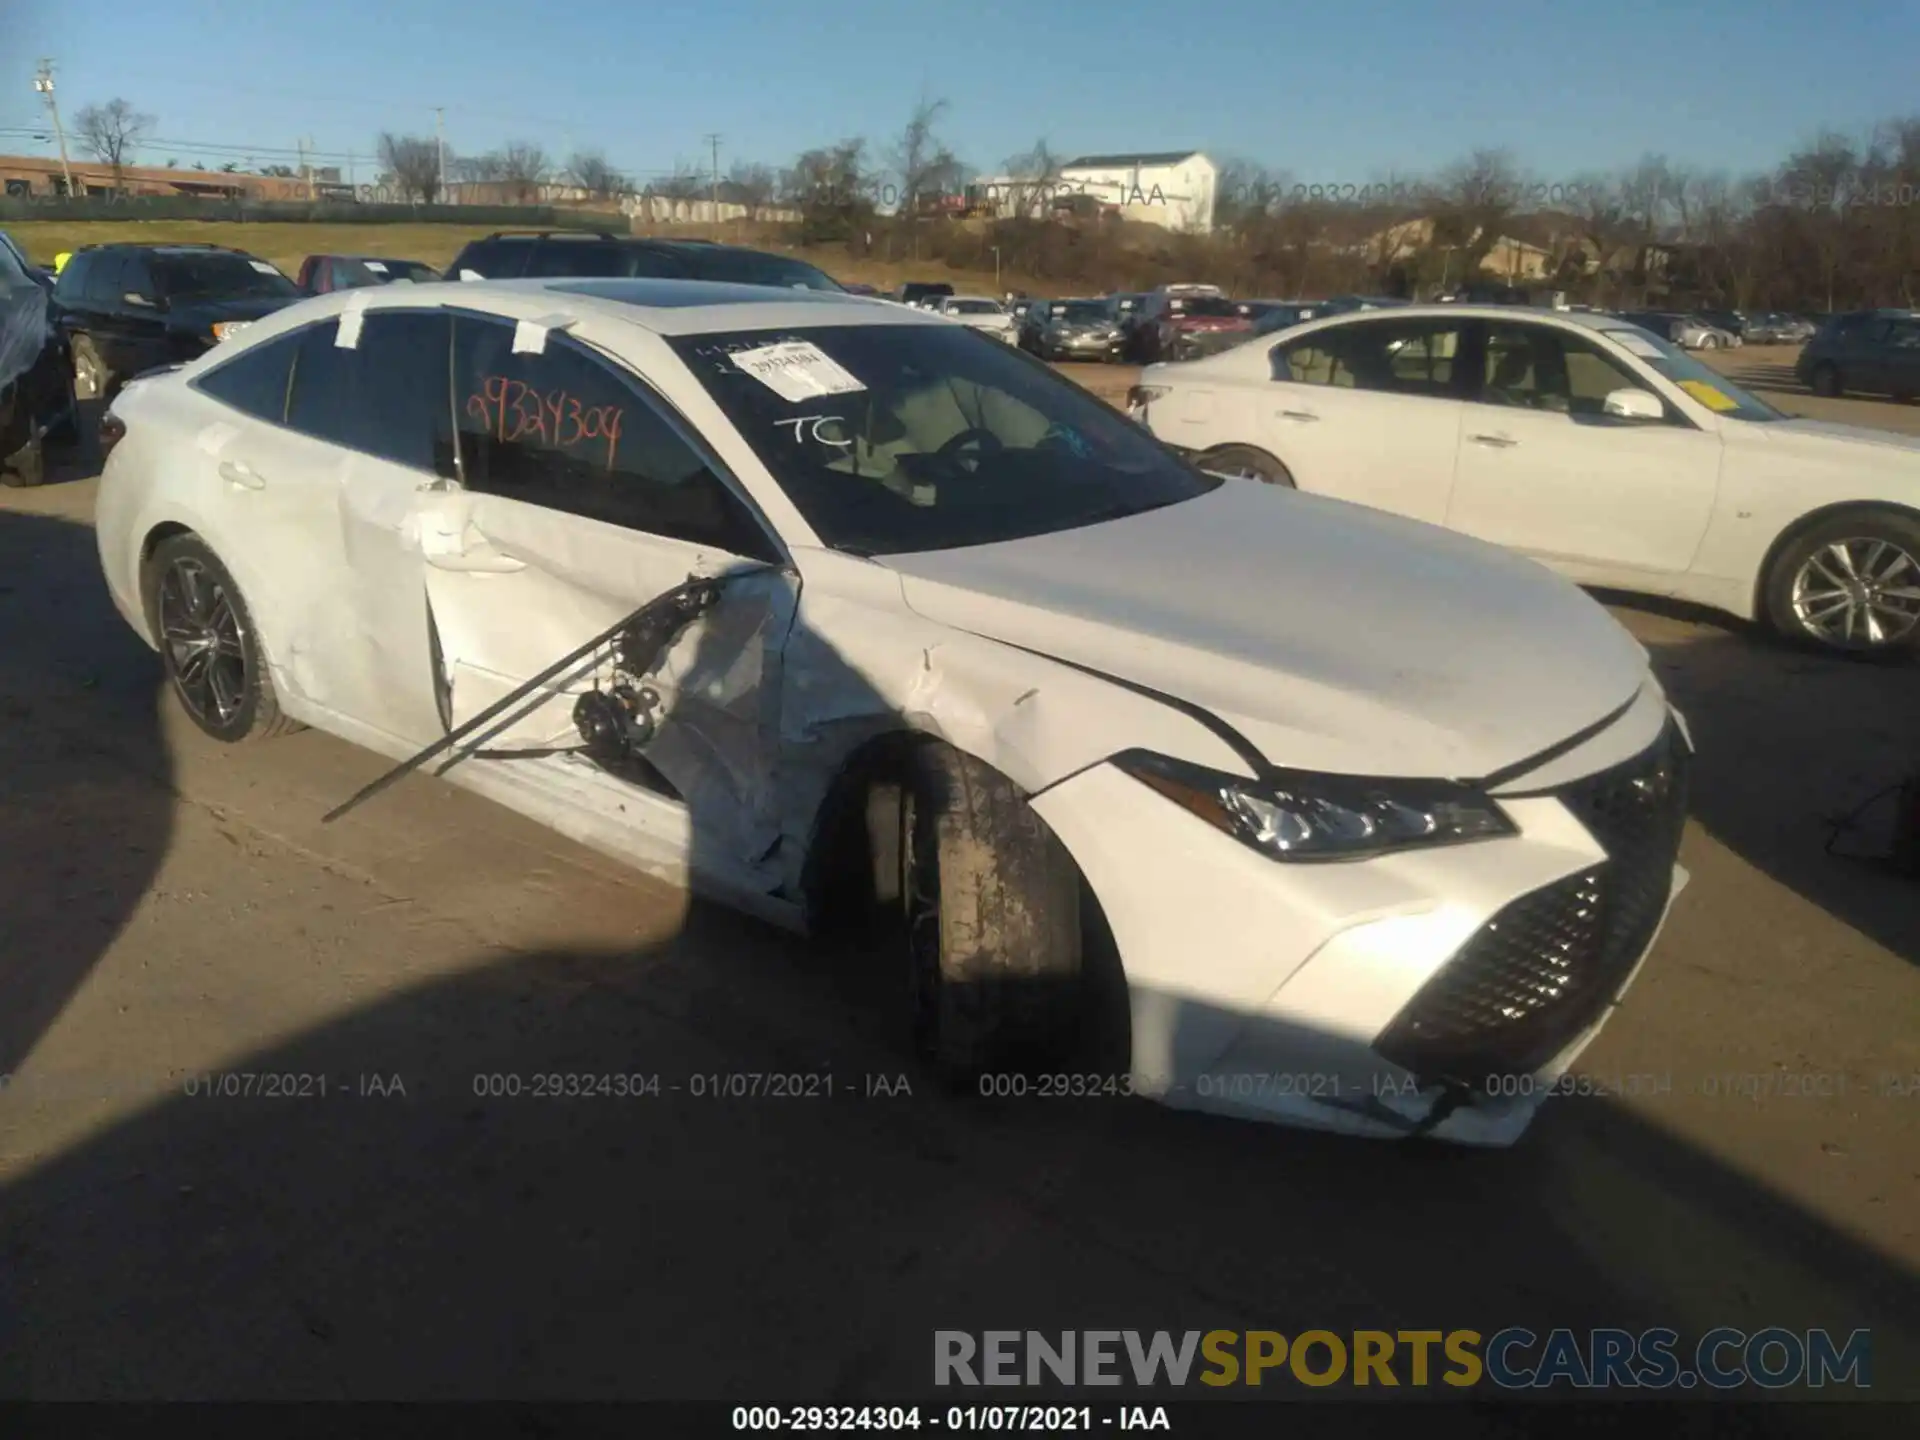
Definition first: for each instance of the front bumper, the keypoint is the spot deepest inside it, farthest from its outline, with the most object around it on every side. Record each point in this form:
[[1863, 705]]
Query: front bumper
[[1440, 992]]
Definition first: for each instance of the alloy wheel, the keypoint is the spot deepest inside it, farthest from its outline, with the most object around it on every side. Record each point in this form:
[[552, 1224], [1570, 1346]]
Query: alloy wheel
[[1858, 592], [206, 647]]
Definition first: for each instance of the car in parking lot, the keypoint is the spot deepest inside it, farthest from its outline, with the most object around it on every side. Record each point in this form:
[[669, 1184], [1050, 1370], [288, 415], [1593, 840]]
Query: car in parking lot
[[828, 609], [129, 308], [1582, 441], [978, 312], [923, 294], [1078, 330], [536, 254], [37, 407], [1865, 352], [1172, 323], [322, 274]]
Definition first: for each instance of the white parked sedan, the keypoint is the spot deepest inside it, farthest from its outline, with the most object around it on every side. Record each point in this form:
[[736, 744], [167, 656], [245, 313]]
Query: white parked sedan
[[1582, 441], [832, 609], [977, 311]]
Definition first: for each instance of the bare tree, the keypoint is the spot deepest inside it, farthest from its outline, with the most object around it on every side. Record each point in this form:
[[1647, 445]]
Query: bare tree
[[753, 185], [590, 171], [1246, 194], [834, 191], [1472, 201], [1035, 173], [687, 182], [524, 168], [111, 133], [414, 163], [926, 167]]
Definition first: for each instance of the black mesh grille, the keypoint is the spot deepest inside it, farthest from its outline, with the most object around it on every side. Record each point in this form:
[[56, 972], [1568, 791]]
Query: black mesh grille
[[1547, 964]]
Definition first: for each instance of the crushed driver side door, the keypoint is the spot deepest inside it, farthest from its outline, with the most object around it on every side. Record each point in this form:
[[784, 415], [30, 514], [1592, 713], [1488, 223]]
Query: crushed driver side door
[[580, 498]]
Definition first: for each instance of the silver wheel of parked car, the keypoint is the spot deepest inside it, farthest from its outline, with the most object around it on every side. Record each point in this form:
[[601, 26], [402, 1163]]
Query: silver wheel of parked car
[[90, 374], [207, 643], [1709, 342], [1858, 592]]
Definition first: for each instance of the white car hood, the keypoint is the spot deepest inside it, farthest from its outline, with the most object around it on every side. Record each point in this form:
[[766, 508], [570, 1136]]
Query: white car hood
[[1333, 637]]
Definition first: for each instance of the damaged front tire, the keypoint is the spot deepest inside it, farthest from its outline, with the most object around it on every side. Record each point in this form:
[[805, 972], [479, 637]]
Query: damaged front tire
[[991, 900]]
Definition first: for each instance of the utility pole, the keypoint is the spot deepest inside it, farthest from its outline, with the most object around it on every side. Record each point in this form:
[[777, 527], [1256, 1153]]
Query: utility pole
[[306, 170], [43, 82], [714, 141], [440, 139]]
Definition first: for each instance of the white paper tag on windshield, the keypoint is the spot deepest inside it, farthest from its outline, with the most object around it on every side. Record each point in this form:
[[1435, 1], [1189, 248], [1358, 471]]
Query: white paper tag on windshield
[[796, 370], [376, 267], [1638, 345], [263, 267]]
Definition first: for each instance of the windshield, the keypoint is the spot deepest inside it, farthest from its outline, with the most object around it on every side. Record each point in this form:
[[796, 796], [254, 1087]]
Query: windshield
[[1081, 312], [973, 307], [932, 437], [750, 267], [1701, 382], [218, 276]]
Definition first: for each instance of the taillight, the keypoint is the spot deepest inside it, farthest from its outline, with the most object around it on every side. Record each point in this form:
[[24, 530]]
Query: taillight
[[112, 430]]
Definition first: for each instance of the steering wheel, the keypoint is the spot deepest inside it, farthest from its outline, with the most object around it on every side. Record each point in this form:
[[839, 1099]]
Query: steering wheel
[[950, 453]]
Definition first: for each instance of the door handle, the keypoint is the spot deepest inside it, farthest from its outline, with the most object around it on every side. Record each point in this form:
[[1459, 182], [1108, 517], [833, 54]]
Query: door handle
[[1498, 442], [1298, 415], [245, 476]]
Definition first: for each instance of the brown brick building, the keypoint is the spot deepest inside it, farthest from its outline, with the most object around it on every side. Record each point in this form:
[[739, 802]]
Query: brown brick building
[[29, 175]]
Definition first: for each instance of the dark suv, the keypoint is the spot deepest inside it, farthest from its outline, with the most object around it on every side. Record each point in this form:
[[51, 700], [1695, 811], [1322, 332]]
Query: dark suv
[[129, 308], [545, 254], [1875, 352]]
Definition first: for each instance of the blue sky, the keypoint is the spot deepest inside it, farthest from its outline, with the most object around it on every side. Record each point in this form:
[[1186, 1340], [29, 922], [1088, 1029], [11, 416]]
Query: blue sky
[[1336, 92]]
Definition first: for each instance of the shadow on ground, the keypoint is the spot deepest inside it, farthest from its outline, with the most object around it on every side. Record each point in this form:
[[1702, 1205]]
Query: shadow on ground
[[85, 812], [1793, 741]]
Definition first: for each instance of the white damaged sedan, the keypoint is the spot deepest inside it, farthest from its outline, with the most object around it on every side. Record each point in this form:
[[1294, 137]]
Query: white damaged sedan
[[828, 608]]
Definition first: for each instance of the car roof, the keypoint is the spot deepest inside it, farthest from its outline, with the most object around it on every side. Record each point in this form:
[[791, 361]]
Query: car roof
[[668, 307]]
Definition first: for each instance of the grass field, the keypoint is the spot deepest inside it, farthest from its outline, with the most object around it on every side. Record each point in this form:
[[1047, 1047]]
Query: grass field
[[287, 245]]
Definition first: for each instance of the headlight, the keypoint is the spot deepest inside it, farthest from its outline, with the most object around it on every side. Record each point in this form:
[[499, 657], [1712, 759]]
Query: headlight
[[229, 327], [1303, 817]]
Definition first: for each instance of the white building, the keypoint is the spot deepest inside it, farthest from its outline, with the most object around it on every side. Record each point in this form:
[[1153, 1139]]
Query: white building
[[1175, 189], [1171, 188]]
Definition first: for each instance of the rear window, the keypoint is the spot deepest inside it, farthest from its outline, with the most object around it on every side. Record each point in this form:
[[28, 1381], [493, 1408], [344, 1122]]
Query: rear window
[[218, 276], [973, 307], [752, 267], [592, 260], [1203, 305]]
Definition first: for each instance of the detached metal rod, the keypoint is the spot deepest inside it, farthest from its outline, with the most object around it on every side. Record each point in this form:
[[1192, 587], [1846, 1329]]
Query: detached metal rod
[[454, 737]]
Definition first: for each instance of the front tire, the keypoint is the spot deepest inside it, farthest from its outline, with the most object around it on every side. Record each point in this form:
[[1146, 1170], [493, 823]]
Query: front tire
[[208, 644], [991, 900], [1245, 462], [1850, 585]]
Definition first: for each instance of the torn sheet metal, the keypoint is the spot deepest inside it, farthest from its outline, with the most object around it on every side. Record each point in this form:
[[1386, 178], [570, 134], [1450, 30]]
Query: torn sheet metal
[[23, 323], [530, 336]]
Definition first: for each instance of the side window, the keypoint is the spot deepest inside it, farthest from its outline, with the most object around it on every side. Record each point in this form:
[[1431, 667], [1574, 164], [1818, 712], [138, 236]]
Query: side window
[[1533, 367], [1401, 357], [72, 284], [561, 429], [255, 383], [1905, 335], [1313, 361], [103, 280], [137, 279], [494, 259], [388, 396], [579, 259]]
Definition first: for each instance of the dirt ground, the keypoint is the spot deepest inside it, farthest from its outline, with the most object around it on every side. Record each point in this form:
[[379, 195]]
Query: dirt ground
[[173, 909]]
